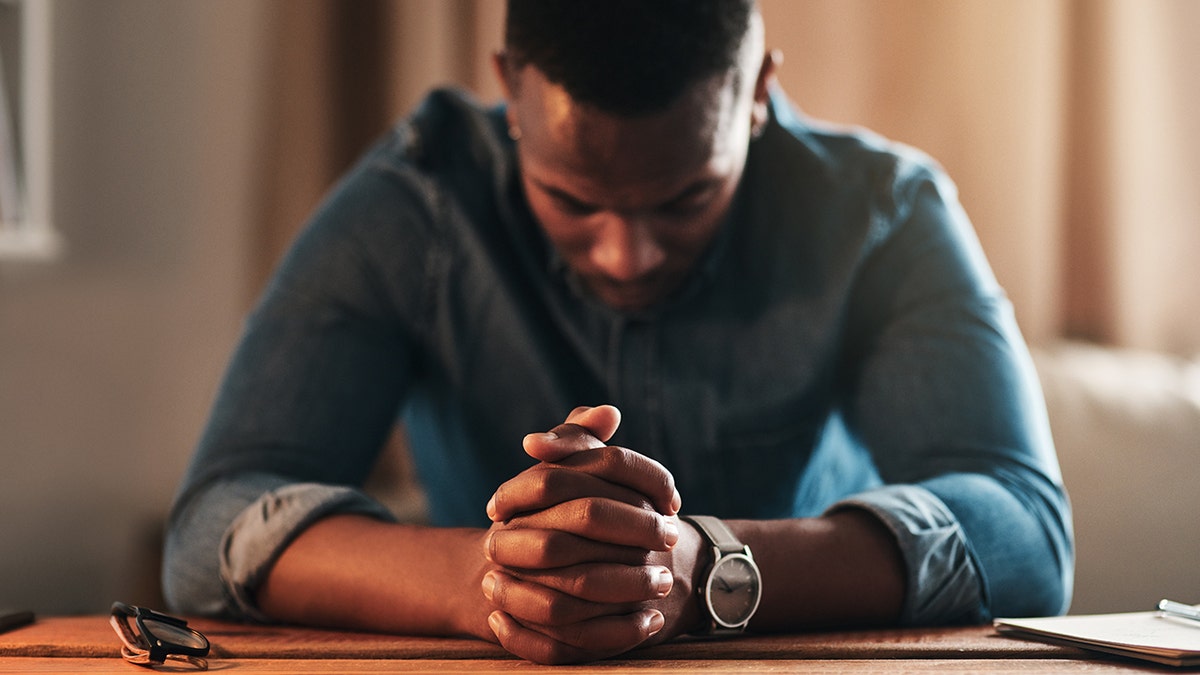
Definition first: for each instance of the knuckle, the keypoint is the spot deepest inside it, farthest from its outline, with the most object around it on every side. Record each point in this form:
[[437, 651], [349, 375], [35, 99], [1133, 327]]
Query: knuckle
[[551, 548], [540, 609], [615, 459], [556, 611], [541, 548], [590, 510], [648, 579], [582, 586], [552, 482], [542, 486]]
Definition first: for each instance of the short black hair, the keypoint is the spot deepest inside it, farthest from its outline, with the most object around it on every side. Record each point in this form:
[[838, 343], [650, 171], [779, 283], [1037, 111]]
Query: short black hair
[[627, 57]]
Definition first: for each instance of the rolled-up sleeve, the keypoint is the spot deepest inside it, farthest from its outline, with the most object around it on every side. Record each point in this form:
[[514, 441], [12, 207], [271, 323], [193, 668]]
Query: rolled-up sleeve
[[262, 530], [272, 513], [943, 585]]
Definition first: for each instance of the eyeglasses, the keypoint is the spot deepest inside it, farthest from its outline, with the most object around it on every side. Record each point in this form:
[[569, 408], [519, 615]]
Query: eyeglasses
[[157, 637]]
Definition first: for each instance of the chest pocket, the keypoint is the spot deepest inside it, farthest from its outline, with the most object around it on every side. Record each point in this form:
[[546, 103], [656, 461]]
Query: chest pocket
[[761, 462], [754, 449]]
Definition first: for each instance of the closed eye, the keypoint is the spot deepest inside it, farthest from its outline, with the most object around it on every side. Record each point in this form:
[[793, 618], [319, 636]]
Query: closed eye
[[693, 199], [569, 204]]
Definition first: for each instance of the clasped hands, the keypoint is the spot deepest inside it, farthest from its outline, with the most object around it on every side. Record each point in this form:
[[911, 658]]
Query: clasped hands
[[587, 557]]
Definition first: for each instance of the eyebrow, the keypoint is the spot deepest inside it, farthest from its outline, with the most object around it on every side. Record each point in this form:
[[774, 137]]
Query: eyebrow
[[564, 196], [697, 187]]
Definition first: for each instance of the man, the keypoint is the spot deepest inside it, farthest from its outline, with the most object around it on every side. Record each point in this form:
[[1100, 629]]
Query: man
[[795, 324]]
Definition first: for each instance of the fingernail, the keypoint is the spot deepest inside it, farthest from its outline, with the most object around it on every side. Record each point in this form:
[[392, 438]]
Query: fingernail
[[491, 508], [494, 622], [656, 623], [545, 437], [676, 502], [663, 581], [671, 532], [487, 546], [489, 584]]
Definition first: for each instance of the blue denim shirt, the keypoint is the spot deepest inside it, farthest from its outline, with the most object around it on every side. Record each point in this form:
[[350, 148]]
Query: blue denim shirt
[[843, 344]]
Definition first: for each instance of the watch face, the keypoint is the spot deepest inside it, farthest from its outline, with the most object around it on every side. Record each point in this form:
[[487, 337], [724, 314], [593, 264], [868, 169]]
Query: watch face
[[734, 588]]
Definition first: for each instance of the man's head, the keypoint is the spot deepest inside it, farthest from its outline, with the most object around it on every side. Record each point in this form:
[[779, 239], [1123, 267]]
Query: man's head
[[627, 57], [634, 119]]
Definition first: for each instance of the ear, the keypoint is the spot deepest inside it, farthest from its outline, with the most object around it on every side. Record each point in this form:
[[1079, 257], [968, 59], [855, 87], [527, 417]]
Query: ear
[[501, 70], [759, 111], [502, 67]]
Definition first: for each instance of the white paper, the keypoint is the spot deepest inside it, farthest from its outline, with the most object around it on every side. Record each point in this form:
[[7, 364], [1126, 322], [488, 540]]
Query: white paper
[[1146, 634]]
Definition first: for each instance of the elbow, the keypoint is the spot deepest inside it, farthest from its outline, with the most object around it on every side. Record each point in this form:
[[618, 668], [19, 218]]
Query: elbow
[[1049, 595], [1039, 583], [191, 581]]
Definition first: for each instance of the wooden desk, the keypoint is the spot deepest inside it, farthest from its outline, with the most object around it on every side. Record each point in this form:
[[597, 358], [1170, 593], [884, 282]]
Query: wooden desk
[[88, 645]]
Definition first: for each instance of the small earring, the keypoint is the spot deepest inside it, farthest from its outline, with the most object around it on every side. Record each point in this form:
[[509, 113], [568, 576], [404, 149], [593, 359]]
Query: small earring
[[514, 132], [758, 120]]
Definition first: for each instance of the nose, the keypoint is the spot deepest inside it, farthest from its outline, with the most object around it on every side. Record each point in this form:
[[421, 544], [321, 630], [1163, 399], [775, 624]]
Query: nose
[[626, 249]]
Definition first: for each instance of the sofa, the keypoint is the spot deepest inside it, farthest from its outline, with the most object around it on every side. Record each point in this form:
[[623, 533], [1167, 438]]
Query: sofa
[[1127, 427]]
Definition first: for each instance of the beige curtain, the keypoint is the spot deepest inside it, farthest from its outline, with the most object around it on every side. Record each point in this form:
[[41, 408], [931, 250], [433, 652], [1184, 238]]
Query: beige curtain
[[340, 72], [1069, 126], [1132, 217]]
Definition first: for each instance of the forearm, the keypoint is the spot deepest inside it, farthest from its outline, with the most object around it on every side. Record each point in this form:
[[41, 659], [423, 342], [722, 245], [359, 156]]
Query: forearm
[[360, 573], [840, 569]]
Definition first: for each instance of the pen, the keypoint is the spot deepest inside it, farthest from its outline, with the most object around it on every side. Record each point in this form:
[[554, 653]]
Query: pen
[[1178, 609]]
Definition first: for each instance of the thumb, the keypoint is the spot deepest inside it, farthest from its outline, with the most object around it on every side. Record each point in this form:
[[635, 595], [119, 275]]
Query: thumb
[[586, 428], [602, 421]]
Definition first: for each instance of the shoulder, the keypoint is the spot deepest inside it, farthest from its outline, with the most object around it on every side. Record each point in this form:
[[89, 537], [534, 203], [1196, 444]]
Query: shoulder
[[395, 210], [861, 184], [849, 157], [847, 202], [449, 150], [451, 130], [842, 146]]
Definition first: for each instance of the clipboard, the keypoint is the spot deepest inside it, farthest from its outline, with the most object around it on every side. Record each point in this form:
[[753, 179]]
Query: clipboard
[[1152, 636]]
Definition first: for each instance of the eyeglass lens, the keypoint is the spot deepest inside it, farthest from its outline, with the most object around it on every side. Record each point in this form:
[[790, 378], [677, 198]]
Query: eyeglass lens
[[167, 632]]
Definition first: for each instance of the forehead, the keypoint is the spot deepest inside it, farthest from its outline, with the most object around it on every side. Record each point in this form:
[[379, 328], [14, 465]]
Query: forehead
[[565, 141]]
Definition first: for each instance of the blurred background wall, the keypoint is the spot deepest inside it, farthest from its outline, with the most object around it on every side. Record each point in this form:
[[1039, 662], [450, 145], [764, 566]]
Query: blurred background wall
[[192, 138]]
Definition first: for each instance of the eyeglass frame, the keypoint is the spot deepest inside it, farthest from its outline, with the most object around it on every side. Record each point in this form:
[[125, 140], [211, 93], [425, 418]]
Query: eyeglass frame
[[157, 649]]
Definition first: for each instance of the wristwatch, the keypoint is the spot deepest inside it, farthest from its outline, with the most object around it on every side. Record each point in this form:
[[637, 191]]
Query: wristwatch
[[732, 587]]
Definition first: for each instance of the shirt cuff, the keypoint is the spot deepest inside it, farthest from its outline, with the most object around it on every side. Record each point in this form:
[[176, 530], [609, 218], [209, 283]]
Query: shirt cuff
[[944, 585], [260, 533]]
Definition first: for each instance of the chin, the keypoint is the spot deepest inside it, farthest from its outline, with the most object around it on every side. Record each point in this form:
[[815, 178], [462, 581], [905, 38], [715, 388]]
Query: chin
[[629, 307], [630, 297], [630, 302]]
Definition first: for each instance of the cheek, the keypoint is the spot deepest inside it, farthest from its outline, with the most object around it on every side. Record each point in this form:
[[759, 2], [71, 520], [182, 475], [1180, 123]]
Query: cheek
[[690, 238], [571, 236]]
